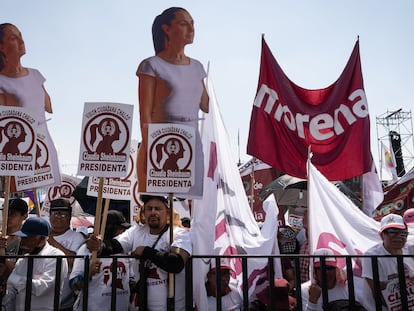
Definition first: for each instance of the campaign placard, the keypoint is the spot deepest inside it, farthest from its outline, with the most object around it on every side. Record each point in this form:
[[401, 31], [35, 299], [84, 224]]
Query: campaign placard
[[105, 139], [392, 294], [170, 158], [43, 169], [18, 131], [113, 187], [64, 191]]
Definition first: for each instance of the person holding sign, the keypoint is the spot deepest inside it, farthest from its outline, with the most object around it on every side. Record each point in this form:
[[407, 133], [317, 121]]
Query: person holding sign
[[24, 87], [150, 244], [171, 87]]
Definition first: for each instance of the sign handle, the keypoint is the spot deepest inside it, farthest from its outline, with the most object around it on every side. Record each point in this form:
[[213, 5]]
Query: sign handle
[[5, 211]]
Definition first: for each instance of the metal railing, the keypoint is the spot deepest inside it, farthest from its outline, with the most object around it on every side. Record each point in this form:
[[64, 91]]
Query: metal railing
[[350, 262]]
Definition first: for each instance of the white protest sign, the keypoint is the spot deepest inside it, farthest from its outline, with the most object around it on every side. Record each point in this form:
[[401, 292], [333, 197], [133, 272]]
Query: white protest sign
[[64, 191], [105, 140], [18, 131], [170, 158], [43, 169], [114, 188]]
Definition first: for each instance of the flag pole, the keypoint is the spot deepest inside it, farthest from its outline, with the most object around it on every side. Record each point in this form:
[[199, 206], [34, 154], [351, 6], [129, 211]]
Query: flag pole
[[308, 163], [171, 279], [252, 184]]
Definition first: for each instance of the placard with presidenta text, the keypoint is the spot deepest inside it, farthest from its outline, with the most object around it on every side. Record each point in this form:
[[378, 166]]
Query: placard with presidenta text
[[114, 187], [18, 132], [170, 158], [105, 139], [43, 170]]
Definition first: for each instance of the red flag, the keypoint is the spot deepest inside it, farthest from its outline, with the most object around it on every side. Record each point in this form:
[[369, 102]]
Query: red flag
[[334, 121]]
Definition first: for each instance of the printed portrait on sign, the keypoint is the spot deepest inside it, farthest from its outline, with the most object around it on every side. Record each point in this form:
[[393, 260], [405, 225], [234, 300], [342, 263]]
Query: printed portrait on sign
[[105, 140]]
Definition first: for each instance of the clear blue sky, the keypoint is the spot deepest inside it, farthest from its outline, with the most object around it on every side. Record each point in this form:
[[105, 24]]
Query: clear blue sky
[[88, 50]]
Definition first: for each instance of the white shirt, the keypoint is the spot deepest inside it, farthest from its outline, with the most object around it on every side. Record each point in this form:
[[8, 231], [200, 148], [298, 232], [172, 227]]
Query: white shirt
[[157, 279], [100, 286], [70, 240], [230, 302], [340, 291], [43, 281]]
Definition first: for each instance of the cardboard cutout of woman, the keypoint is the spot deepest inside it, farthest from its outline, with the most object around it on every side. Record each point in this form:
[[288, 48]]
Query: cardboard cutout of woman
[[24, 87], [171, 88]]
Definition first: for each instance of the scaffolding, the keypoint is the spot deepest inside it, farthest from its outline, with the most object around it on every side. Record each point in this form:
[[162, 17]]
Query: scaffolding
[[398, 121]]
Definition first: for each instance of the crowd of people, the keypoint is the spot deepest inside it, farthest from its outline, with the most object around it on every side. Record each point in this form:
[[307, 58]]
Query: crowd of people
[[146, 258], [148, 261]]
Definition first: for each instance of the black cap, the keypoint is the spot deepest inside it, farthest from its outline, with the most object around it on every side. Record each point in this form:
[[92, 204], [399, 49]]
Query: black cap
[[34, 226], [145, 198], [61, 205], [18, 205], [117, 218]]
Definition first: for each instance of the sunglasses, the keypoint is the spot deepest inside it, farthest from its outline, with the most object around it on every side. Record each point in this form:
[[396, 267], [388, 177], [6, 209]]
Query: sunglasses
[[60, 213], [396, 232]]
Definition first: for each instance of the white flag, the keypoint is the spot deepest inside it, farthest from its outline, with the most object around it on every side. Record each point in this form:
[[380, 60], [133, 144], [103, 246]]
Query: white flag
[[373, 194], [223, 223], [336, 223]]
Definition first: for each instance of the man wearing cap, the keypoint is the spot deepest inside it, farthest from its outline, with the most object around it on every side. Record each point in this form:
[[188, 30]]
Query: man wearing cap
[[100, 272], [65, 239], [312, 289], [150, 243], [230, 298], [34, 234], [393, 233]]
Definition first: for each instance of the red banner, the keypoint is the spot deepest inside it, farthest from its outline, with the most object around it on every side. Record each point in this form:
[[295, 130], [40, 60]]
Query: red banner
[[334, 121], [256, 175]]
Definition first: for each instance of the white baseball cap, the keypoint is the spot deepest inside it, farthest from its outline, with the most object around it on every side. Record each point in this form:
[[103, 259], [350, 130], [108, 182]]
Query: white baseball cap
[[392, 221]]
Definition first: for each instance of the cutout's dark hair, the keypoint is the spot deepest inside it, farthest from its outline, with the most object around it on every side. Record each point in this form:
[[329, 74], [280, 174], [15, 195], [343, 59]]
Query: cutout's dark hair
[[158, 35], [2, 27]]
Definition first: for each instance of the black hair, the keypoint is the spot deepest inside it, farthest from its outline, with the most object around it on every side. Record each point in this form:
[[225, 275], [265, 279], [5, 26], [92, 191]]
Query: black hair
[[2, 60], [158, 35], [2, 27], [2, 56]]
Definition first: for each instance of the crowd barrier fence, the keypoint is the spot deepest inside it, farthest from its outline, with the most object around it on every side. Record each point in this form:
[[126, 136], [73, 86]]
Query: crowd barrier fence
[[350, 263]]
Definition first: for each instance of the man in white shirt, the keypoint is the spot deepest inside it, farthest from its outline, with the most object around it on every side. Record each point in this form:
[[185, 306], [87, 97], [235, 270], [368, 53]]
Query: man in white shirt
[[394, 237], [335, 282], [34, 234], [150, 244], [65, 239]]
